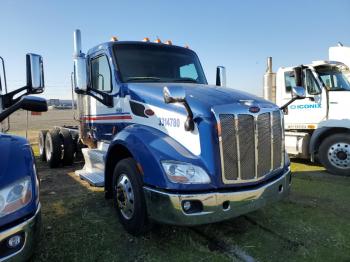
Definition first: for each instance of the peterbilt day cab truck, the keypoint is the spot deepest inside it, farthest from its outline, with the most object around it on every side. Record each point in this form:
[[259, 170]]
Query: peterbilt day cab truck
[[167, 146], [317, 127], [19, 182]]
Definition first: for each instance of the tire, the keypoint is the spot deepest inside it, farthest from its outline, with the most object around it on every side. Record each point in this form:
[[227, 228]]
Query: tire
[[68, 147], [126, 177], [42, 154], [334, 154], [53, 148]]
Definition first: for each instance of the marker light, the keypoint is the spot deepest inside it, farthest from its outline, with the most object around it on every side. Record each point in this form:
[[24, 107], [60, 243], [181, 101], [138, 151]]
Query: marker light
[[146, 39], [158, 41], [186, 46], [114, 39], [168, 42]]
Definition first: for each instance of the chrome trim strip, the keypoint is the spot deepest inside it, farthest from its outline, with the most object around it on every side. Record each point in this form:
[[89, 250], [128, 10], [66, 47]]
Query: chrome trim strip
[[238, 151], [272, 140], [256, 141]]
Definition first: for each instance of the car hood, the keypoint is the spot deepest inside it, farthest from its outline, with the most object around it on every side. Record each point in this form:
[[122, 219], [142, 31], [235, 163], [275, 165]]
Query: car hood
[[201, 98], [16, 159]]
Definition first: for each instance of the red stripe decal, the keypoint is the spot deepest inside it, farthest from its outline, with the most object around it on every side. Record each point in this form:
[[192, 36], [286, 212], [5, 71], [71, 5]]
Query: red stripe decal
[[106, 118]]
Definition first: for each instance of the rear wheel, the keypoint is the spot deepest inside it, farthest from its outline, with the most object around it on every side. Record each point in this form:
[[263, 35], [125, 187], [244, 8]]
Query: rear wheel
[[42, 135], [334, 154], [68, 147], [128, 197], [53, 148]]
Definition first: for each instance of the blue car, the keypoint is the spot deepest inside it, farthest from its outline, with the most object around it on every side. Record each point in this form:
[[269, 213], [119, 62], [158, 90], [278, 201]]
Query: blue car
[[19, 181]]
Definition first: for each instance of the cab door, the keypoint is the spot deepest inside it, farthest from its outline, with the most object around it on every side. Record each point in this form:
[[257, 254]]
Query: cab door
[[305, 113], [100, 117]]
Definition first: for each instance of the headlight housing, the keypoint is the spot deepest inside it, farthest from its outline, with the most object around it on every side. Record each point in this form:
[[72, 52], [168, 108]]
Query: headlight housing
[[15, 196], [185, 173]]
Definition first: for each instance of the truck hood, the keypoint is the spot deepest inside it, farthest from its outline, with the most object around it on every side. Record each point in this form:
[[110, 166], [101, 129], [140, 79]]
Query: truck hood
[[201, 98], [16, 160], [338, 104]]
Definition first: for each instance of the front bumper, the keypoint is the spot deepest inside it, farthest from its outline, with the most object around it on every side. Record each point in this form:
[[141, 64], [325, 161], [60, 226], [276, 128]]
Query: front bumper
[[217, 206], [29, 230]]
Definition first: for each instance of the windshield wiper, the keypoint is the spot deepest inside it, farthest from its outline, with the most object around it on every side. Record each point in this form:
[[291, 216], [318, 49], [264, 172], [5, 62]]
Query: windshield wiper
[[143, 78], [185, 80]]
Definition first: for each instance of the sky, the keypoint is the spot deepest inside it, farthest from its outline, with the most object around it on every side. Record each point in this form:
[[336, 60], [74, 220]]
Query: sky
[[239, 35]]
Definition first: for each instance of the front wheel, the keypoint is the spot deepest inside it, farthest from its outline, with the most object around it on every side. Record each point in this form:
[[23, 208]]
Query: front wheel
[[128, 197], [334, 154]]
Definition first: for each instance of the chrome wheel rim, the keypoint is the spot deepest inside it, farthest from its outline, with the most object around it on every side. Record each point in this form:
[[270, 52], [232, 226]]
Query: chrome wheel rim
[[48, 148], [339, 155], [125, 197], [41, 145]]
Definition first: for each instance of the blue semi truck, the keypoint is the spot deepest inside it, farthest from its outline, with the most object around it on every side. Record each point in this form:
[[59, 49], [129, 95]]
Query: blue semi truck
[[164, 144], [19, 181]]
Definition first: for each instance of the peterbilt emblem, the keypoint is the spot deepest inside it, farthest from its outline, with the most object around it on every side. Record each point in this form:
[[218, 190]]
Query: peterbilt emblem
[[254, 109]]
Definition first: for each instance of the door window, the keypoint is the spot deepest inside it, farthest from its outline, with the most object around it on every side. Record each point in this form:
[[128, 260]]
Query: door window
[[311, 84], [101, 74]]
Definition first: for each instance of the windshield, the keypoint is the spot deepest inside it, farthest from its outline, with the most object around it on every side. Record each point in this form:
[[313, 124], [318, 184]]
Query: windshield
[[334, 77], [142, 62]]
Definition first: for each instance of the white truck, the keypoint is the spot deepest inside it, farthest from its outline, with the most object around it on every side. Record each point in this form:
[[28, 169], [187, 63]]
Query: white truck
[[317, 127]]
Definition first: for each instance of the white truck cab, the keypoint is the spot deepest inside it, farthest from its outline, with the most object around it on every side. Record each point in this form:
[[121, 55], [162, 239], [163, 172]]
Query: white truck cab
[[317, 127]]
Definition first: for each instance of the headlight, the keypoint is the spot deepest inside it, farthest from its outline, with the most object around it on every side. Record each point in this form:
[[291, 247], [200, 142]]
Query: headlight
[[185, 173], [15, 196]]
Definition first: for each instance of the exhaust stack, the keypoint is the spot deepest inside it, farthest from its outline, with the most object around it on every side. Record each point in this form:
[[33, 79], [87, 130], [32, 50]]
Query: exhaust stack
[[270, 82]]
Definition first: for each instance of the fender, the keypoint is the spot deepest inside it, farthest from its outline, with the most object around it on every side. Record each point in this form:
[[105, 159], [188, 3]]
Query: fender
[[149, 146], [17, 161], [325, 129]]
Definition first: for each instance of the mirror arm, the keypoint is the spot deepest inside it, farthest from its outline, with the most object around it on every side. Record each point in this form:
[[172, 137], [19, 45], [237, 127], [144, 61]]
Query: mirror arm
[[14, 107], [283, 108], [8, 100], [102, 97], [189, 124]]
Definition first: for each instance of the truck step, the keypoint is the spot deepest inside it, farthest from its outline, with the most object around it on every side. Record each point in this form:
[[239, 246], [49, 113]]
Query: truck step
[[93, 171], [93, 178]]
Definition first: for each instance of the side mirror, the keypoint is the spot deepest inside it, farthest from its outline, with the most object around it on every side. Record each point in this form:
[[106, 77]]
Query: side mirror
[[221, 76], [35, 73], [298, 74], [32, 103], [298, 92], [176, 94]]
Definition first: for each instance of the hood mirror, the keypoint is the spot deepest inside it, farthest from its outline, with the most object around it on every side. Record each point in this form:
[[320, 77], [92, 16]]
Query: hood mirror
[[177, 94], [35, 73], [221, 76]]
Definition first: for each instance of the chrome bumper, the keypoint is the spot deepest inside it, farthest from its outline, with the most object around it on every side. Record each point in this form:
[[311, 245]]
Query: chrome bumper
[[30, 228], [217, 206]]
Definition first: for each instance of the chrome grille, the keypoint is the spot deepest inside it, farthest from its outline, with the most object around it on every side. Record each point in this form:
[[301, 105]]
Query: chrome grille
[[229, 152], [250, 145], [264, 144], [246, 146], [277, 134]]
